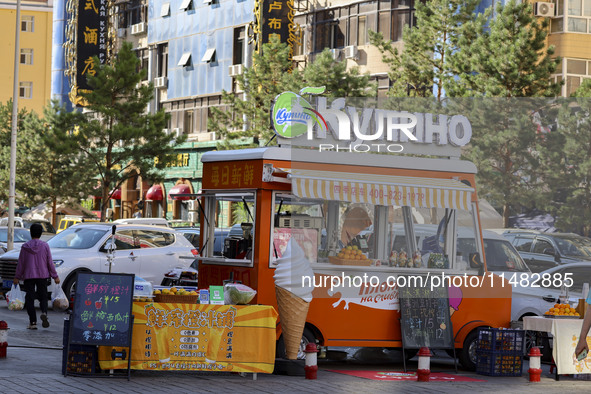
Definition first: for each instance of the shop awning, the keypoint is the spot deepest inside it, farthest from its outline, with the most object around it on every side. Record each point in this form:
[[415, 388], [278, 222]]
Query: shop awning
[[381, 189], [116, 194], [154, 193], [179, 189]]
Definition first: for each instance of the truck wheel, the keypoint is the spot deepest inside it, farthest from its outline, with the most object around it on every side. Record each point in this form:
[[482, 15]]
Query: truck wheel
[[468, 354], [307, 337]]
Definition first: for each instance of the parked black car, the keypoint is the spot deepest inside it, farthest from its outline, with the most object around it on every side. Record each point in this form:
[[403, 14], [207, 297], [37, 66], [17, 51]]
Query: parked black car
[[542, 251]]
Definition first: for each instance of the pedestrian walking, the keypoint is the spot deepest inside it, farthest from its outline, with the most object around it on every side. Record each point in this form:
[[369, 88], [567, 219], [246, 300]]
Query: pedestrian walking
[[35, 267]]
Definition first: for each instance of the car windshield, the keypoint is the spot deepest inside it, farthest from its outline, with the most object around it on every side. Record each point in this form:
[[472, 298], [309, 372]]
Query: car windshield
[[20, 235], [574, 246], [77, 238]]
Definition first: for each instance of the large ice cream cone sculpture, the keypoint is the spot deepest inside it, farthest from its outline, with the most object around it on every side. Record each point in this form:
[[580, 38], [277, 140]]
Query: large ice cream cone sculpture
[[293, 299], [293, 312]]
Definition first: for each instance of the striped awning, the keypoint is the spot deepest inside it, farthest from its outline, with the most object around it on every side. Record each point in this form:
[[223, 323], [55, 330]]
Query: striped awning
[[381, 189]]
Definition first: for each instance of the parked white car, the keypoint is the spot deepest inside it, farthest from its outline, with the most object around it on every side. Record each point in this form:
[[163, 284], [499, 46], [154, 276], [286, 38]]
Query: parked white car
[[146, 251]]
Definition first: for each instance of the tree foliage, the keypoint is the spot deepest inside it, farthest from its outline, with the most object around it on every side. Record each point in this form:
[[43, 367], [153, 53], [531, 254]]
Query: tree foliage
[[425, 67], [247, 115], [115, 134]]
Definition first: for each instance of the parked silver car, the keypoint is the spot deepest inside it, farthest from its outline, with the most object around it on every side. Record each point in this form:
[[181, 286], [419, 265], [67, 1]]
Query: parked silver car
[[147, 251]]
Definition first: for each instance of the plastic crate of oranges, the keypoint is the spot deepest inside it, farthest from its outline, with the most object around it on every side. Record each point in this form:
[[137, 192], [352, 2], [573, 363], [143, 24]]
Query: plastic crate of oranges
[[562, 311]]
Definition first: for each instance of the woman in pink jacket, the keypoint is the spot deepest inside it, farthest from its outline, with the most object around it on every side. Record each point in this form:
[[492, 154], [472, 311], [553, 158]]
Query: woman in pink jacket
[[35, 266]]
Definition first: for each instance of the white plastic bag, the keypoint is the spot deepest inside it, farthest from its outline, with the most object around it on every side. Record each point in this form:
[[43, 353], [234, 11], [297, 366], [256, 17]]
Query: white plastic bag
[[59, 300], [15, 298]]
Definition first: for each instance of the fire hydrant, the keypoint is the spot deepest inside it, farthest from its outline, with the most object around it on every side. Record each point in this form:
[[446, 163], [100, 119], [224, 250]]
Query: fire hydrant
[[424, 370], [535, 364], [311, 367], [3, 338]]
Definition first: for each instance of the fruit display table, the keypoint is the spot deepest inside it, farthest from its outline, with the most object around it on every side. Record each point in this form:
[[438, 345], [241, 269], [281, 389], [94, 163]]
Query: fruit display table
[[183, 336], [566, 335]]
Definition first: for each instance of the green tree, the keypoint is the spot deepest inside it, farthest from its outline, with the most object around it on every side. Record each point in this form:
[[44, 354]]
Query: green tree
[[246, 115], [567, 171], [25, 183], [59, 168], [424, 67], [509, 60], [339, 82], [116, 135]]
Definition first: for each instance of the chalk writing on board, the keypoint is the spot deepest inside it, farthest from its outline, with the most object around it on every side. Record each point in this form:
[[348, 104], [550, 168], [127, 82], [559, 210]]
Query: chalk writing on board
[[425, 317], [102, 309]]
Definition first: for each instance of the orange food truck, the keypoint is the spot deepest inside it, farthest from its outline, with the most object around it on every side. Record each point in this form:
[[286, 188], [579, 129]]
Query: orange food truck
[[353, 214]]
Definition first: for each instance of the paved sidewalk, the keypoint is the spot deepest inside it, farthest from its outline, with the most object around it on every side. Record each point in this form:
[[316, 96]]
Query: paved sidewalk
[[38, 370]]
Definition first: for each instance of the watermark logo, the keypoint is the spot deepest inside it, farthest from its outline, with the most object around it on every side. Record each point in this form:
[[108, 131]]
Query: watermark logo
[[292, 115]]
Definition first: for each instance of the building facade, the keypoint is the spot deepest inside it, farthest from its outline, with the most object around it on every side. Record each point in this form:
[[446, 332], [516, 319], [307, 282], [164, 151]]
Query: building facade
[[570, 33], [35, 53]]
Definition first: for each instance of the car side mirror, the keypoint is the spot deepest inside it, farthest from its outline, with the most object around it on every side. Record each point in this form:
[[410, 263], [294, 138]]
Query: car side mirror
[[107, 246]]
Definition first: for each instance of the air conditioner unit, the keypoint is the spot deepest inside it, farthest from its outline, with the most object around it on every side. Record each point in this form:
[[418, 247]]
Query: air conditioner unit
[[138, 28], [160, 82], [192, 205], [121, 32], [235, 69], [166, 131], [336, 53], [544, 9], [177, 132], [351, 52], [193, 217]]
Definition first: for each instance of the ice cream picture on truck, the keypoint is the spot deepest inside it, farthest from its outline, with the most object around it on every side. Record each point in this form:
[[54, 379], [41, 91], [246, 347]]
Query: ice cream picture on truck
[[332, 238]]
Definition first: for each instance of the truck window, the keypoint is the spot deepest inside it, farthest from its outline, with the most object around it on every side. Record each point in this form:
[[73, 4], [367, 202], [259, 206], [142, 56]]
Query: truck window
[[227, 210], [355, 234]]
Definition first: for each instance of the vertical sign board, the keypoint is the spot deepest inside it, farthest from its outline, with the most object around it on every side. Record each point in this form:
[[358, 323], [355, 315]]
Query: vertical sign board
[[276, 20], [425, 317], [102, 309], [91, 40]]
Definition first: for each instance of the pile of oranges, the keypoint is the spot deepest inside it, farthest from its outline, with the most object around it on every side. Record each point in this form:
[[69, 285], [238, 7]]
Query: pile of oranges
[[351, 253], [562, 310]]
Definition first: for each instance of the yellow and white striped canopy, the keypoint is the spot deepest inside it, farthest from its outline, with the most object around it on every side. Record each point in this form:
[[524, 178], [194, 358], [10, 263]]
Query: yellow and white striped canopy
[[381, 189]]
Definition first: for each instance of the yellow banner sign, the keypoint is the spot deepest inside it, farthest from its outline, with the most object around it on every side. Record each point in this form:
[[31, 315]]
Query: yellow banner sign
[[237, 338]]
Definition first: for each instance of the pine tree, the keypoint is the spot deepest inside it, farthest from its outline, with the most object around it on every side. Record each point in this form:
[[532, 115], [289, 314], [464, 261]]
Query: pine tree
[[26, 141], [339, 82], [270, 75], [58, 167], [509, 59], [247, 114], [116, 135], [424, 68]]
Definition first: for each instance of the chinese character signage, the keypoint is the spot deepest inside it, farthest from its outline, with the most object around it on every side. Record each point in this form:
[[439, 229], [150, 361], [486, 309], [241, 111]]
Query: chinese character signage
[[231, 175], [102, 309], [275, 18], [87, 36], [237, 338]]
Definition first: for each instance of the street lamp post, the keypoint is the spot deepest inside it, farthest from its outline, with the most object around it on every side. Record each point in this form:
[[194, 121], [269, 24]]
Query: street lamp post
[[12, 179]]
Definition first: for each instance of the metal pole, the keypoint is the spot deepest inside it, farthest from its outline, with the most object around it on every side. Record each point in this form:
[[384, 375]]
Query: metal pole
[[12, 180]]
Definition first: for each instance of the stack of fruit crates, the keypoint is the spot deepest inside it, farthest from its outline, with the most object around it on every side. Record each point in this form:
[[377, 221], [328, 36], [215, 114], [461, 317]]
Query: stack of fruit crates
[[500, 352]]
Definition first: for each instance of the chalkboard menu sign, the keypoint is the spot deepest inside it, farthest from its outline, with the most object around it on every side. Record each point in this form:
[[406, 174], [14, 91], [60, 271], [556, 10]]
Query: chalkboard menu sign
[[102, 309], [425, 318]]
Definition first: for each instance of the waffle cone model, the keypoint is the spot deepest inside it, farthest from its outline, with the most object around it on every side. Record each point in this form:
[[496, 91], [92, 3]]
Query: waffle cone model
[[292, 312]]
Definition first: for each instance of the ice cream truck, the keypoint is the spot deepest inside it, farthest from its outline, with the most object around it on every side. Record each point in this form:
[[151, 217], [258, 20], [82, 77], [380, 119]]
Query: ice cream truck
[[352, 214]]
